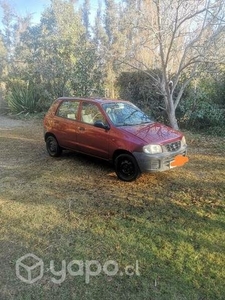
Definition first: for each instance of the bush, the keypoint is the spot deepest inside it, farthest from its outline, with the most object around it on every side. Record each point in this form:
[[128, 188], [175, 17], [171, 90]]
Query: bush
[[22, 97], [217, 130], [198, 112]]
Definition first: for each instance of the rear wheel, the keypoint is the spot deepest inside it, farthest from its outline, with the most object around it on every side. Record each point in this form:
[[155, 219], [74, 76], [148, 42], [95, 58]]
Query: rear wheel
[[126, 167], [53, 147]]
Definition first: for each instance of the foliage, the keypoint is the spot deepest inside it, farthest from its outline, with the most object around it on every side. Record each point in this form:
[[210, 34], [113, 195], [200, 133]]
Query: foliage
[[203, 106], [3, 56], [23, 97], [87, 74], [140, 89], [55, 56], [200, 108], [200, 114], [68, 54], [165, 38], [214, 86], [216, 131], [49, 49]]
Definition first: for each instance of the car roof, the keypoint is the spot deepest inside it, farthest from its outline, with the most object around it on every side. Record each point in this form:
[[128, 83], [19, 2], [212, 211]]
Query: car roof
[[91, 99]]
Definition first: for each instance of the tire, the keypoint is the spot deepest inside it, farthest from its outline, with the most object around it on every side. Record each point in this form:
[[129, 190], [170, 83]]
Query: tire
[[53, 147], [126, 167]]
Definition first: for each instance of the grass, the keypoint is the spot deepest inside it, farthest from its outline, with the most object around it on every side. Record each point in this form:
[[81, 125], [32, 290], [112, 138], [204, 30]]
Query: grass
[[74, 208]]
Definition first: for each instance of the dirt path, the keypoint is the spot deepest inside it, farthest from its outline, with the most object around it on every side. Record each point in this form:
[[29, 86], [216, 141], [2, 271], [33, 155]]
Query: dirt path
[[9, 123]]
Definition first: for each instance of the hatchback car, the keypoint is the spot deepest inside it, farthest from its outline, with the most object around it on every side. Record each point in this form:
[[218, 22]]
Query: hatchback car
[[116, 131]]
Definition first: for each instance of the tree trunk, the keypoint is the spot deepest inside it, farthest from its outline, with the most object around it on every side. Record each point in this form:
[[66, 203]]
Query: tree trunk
[[172, 119], [171, 112]]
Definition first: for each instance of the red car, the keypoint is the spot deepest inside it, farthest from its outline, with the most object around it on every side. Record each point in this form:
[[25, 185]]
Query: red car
[[116, 131]]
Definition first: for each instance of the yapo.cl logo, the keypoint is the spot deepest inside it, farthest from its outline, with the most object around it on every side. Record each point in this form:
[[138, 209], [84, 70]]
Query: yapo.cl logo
[[30, 268]]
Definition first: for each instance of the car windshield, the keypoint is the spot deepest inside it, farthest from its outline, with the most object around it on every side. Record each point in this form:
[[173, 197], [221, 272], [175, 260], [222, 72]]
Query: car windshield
[[125, 114]]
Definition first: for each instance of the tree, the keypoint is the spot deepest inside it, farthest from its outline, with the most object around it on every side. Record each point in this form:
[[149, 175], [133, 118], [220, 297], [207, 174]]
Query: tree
[[13, 28], [109, 40], [180, 36], [8, 21], [3, 57], [57, 57], [49, 49], [85, 17]]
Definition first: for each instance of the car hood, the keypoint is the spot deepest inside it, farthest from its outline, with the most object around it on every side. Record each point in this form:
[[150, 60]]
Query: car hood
[[154, 133]]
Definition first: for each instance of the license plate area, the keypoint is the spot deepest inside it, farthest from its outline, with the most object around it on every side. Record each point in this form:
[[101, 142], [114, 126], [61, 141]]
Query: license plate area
[[178, 161]]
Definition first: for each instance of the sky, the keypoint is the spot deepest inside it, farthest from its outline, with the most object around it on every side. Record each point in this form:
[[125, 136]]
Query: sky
[[22, 7]]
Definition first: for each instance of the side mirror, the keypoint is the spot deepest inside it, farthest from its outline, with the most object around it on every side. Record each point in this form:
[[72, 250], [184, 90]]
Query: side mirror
[[100, 124]]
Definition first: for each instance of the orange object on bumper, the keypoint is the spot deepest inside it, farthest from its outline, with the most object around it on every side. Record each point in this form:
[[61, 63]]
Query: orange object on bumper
[[179, 160]]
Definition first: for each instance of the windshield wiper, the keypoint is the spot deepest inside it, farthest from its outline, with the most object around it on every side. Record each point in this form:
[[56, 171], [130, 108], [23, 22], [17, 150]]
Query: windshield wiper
[[146, 122], [124, 124]]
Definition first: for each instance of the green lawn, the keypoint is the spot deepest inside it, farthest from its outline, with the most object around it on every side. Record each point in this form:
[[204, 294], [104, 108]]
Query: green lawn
[[169, 226]]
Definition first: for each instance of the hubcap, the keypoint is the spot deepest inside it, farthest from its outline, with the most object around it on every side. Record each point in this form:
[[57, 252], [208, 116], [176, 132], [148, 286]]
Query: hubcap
[[52, 145], [127, 167]]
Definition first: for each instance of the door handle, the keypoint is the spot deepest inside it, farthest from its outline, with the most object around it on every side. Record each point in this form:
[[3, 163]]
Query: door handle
[[81, 128]]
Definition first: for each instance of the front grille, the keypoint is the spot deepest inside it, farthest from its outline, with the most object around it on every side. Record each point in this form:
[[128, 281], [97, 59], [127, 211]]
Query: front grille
[[173, 146]]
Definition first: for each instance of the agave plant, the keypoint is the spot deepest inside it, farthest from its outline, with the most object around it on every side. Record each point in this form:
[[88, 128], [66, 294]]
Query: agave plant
[[23, 98]]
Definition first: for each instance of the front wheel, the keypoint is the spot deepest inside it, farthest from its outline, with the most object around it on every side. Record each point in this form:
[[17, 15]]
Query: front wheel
[[53, 147], [126, 167]]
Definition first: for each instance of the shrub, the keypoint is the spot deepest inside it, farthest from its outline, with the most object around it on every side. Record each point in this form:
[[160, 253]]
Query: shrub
[[22, 97], [200, 113]]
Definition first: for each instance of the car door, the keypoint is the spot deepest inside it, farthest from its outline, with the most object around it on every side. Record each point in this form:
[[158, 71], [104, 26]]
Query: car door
[[65, 124], [92, 140]]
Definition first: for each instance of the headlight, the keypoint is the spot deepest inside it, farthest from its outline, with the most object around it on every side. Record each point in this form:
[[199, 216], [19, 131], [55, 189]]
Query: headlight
[[152, 149], [183, 141]]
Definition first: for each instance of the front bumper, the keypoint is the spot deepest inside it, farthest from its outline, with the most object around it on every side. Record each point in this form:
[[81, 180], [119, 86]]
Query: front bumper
[[157, 162]]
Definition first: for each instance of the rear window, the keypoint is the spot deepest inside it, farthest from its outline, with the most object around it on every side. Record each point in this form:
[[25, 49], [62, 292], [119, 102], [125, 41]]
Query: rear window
[[68, 110]]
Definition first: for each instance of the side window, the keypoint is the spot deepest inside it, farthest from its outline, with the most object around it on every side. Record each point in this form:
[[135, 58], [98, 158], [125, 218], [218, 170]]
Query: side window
[[68, 110], [90, 113]]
